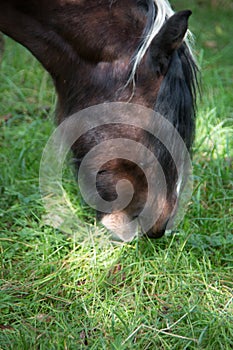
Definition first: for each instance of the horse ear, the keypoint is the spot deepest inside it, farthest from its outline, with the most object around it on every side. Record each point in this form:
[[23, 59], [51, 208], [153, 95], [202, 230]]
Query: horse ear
[[169, 39]]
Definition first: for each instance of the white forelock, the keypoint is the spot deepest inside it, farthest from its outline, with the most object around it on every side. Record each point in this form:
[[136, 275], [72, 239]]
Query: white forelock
[[164, 11]]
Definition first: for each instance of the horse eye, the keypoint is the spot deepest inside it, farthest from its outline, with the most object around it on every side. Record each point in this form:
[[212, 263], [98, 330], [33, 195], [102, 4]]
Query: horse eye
[[144, 5]]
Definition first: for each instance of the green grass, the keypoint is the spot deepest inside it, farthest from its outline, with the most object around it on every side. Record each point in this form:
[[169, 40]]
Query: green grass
[[57, 292]]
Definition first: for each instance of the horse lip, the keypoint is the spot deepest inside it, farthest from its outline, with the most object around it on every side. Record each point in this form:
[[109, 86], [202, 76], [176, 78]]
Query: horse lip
[[159, 233]]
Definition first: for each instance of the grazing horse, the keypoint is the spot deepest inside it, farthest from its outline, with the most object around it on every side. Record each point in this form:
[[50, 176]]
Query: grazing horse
[[114, 51]]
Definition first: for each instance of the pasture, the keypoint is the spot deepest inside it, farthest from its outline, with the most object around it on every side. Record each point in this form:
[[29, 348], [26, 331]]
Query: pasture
[[57, 292]]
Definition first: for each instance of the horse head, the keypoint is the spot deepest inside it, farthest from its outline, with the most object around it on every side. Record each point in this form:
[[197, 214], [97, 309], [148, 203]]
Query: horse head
[[114, 51]]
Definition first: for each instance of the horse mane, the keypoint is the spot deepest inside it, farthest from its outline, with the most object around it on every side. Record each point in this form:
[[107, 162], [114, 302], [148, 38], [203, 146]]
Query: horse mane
[[158, 11], [176, 99]]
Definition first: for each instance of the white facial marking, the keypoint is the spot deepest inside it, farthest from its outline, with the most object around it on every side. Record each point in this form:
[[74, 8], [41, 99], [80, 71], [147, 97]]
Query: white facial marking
[[120, 225]]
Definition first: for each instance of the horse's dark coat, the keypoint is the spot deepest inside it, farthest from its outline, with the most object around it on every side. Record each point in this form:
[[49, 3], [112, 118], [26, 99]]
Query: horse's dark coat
[[88, 47]]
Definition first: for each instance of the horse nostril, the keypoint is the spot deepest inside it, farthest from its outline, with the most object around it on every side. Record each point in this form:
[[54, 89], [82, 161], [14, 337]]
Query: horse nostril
[[158, 233]]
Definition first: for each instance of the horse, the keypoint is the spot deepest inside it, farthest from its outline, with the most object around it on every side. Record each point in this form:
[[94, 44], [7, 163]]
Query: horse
[[109, 51]]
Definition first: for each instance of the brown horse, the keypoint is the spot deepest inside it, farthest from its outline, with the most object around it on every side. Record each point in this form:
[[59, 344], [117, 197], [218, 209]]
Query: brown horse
[[114, 51]]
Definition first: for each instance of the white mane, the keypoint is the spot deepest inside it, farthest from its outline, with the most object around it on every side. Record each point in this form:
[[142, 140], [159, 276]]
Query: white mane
[[164, 11]]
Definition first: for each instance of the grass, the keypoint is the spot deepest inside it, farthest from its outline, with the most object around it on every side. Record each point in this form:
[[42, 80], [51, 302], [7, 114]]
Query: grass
[[57, 292]]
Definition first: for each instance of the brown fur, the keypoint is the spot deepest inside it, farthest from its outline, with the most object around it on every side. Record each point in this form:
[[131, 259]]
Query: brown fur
[[87, 47]]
